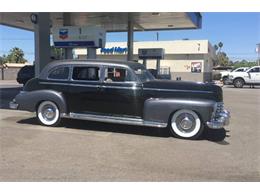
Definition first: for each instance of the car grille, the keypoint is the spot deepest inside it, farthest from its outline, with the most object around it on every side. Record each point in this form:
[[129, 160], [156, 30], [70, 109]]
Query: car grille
[[218, 109]]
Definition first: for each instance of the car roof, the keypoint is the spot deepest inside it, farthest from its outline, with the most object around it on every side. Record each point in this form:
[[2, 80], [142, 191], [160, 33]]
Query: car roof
[[93, 60], [79, 62]]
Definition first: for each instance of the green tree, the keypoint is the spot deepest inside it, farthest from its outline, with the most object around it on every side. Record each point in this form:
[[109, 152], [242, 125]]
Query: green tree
[[222, 59], [3, 59], [243, 63], [57, 53], [16, 55]]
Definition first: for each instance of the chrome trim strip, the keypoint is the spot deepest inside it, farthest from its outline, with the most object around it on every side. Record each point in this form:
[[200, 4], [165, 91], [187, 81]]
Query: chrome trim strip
[[54, 83], [94, 86], [69, 84], [84, 85], [119, 87], [177, 90], [114, 119]]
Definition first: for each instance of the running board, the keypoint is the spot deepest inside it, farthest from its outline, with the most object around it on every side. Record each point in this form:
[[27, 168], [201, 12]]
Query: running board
[[114, 119]]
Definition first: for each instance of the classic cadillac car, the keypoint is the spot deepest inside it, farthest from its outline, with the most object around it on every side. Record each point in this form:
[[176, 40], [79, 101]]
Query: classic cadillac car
[[121, 92]]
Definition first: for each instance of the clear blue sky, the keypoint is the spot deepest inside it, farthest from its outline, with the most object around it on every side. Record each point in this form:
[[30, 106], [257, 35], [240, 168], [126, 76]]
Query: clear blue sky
[[240, 32]]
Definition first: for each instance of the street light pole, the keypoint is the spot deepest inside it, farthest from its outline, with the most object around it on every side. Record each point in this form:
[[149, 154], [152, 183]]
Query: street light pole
[[258, 53]]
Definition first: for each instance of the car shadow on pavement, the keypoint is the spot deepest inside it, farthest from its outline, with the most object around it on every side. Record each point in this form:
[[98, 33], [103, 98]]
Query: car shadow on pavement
[[217, 136]]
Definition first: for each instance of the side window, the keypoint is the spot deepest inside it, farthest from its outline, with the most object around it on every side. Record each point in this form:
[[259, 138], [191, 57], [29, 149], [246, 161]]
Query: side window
[[255, 69], [86, 73], [239, 70], [113, 74], [59, 73]]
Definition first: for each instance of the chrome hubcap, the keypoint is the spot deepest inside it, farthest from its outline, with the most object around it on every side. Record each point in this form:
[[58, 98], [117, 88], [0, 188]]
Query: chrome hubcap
[[186, 123], [49, 113]]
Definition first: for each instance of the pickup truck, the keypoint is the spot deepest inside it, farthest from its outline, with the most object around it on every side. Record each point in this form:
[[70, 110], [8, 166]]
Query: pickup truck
[[249, 77], [224, 74]]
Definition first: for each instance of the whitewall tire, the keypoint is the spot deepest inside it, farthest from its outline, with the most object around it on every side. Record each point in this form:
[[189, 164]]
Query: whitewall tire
[[48, 113], [186, 124]]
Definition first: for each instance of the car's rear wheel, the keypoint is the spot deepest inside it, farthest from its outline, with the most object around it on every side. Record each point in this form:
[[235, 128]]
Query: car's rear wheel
[[239, 83], [48, 113], [186, 124]]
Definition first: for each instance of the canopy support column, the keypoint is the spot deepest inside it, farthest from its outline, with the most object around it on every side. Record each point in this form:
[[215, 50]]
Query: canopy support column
[[42, 41], [130, 40]]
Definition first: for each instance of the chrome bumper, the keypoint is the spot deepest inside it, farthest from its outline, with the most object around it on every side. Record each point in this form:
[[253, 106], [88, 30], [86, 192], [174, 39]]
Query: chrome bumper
[[229, 81], [221, 121], [13, 105]]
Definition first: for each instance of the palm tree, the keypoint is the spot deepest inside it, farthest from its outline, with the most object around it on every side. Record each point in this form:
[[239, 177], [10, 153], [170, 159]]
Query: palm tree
[[216, 47], [16, 55], [220, 45]]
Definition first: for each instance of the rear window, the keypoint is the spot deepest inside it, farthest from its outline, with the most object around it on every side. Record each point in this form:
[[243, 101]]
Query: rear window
[[59, 73], [86, 73]]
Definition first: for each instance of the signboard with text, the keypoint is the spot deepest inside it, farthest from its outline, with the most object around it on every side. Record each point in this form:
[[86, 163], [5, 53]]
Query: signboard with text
[[151, 53], [74, 36], [114, 50]]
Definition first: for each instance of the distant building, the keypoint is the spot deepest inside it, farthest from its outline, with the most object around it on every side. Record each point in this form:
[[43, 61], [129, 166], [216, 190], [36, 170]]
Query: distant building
[[9, 70], [191, 60]]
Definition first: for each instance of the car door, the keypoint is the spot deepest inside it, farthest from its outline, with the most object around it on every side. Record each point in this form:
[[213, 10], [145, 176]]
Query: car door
[[121, 92], [254, 74], [84, 88]]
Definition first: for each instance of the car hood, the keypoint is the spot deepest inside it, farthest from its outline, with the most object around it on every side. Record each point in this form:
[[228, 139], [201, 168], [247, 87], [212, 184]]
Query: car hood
[[238, 73], [225, 72], [186, 86]]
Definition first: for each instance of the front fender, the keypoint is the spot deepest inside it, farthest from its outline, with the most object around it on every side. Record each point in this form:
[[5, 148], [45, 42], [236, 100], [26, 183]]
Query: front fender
[[28, 100], [160, 109]]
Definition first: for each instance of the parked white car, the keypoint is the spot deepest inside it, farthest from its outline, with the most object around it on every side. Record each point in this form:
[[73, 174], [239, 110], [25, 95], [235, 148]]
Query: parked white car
[[224, 74], [250, 76]]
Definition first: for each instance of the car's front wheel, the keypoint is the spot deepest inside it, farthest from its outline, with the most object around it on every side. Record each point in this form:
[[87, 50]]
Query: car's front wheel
[[186, 124], [48, 113]]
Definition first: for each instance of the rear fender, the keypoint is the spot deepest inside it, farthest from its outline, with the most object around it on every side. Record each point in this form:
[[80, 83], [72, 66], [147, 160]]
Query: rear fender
[[29, 100]]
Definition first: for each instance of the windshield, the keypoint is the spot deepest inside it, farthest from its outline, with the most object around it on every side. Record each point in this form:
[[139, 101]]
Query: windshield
[[144, 75]]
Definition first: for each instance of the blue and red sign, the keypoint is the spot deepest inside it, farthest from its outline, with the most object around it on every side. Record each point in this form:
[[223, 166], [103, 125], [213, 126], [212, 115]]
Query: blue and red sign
[[63, 33]]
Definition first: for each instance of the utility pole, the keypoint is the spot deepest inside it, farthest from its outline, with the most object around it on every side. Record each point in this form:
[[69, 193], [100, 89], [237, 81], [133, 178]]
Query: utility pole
[[258, 53]]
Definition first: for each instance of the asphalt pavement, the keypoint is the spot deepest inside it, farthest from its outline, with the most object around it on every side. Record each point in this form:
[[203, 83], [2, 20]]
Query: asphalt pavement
[[90, 151]]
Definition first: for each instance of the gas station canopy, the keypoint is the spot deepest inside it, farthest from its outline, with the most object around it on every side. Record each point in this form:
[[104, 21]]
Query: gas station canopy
[[43, 24], [111, 22]]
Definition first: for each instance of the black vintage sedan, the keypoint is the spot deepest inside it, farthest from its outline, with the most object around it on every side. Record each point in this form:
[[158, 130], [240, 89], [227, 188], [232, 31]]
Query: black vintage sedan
[[121, 92]]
